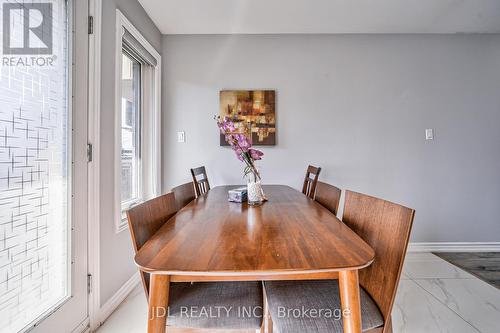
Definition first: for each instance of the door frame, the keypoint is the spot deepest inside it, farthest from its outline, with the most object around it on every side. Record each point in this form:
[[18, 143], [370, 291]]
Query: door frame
[[99, 312], [94, 128], [78, 104]]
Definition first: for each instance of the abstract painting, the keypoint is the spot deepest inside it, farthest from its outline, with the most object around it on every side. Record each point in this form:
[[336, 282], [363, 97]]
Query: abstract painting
[[253, 112]]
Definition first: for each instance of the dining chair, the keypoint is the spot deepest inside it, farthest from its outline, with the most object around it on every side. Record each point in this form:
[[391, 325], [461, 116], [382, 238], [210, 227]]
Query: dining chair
[[386, 227], [144, 221], [328, 196], [184, 194], [310, 181], [200, 180]]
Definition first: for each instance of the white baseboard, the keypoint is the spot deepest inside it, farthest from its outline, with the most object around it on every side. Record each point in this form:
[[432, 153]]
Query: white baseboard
[[83, 327], [455, 247], [107, 308]]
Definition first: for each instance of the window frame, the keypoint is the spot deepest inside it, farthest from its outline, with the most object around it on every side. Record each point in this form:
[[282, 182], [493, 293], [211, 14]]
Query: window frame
[[150, 105], [139, 95]]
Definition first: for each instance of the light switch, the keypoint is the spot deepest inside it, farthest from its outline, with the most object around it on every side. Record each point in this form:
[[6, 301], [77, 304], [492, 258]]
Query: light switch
[[181, 137], [429, 134]]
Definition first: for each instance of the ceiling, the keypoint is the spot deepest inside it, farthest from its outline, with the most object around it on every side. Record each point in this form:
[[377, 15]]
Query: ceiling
[[324, 16]]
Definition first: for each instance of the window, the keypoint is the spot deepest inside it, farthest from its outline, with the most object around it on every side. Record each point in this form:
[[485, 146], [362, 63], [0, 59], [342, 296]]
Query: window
[[35, 170], [137, 120], [131, 183]]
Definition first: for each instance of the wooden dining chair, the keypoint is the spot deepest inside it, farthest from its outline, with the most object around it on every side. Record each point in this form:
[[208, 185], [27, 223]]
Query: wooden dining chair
[[184, 194], [200, 180], [144, 221], [310, 181], [328, 196], [386, 227]]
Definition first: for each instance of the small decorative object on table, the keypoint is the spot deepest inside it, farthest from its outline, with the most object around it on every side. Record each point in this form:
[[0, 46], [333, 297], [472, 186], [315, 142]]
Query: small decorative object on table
[[238, 194], [242, 146]]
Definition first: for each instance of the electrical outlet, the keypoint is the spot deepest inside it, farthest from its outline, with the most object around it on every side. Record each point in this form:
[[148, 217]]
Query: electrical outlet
[[429, 134], [181, 137]]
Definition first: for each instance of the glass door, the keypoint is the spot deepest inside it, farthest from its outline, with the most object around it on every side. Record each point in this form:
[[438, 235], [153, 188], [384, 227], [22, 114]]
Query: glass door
[[43, 126]]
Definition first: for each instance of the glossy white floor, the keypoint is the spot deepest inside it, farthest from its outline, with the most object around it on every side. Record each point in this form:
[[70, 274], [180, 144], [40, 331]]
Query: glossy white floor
[[433, 296]]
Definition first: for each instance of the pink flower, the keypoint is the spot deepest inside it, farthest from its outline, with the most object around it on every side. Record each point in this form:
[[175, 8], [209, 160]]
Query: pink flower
[[240, 143], [255, 154], [225, 125], [230, 139], [243, 142], [221, 127], [230, 126]]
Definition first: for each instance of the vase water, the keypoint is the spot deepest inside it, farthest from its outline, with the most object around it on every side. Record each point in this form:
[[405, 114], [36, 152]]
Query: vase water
[[255, 194]]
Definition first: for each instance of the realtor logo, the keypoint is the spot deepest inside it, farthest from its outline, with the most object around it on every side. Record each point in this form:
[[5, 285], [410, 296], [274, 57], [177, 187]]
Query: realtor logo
[[27, 28]]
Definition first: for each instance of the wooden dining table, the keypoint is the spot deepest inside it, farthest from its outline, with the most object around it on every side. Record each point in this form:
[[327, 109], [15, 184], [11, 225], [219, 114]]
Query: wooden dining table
[[289, 237]]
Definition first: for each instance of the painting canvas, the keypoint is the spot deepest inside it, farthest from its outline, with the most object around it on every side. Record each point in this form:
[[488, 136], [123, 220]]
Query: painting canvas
[[253, 112]]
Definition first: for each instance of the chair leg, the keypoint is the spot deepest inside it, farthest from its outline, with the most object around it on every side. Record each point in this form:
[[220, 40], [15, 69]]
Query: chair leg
[[269, 325], [267, 322], [388, 325]]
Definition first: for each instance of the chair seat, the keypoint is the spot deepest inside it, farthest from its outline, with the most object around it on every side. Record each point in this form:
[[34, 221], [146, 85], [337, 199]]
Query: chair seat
[[314, 307], [222, 305]]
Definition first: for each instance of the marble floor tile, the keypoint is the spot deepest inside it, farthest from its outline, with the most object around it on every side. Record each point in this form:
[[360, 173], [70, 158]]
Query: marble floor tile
[[493, 257], [421, 256], [416, 311], [130, 316], [434, 269], [474, 300]]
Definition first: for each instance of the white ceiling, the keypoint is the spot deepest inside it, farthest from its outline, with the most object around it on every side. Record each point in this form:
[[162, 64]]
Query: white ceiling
[[324, 16]]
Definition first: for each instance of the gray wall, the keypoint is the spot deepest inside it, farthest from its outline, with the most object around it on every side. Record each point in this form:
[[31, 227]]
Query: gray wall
[[116, 256], [358, 106]]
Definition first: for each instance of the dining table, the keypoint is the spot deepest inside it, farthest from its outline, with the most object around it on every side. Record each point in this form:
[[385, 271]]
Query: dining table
[[288, 237]]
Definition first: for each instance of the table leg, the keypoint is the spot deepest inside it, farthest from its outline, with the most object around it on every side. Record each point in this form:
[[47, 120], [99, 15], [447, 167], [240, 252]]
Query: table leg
[[349, 297], [158, 303]]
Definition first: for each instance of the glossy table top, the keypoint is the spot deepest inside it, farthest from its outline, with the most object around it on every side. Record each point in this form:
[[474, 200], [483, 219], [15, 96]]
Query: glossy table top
[[289, 234]]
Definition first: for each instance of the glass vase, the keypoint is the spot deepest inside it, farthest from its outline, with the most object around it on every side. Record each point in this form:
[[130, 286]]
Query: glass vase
[[255, 194]]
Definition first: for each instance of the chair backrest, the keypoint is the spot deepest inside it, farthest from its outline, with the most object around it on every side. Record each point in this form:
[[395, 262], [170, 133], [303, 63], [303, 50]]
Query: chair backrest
[[145, 219], [386, 227], [200, 180], [328, 196], [184, 194], [310, 181]]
